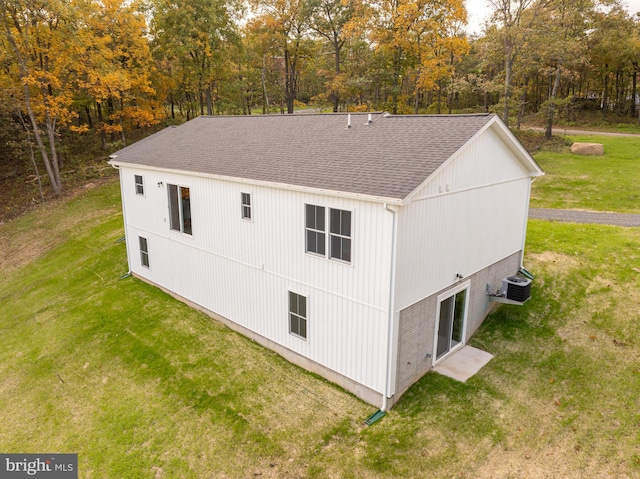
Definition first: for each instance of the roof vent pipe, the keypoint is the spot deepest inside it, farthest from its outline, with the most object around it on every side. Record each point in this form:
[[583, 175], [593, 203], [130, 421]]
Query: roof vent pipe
[[369, 119], [349, 120]]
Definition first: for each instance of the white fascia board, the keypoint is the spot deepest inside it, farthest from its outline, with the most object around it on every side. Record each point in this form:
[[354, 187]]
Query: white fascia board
[[268, 184], [514, 144]]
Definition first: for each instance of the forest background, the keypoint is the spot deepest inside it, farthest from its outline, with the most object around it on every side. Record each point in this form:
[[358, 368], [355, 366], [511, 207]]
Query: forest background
[[82, 78]]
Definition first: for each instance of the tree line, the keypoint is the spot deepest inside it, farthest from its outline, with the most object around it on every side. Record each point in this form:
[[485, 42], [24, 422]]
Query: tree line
[[110, 69]]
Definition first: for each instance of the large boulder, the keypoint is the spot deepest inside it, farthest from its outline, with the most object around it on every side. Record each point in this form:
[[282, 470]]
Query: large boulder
[[587, 149]]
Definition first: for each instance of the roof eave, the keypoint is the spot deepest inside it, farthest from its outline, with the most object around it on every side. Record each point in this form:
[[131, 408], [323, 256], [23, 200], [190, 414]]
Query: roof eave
[[269, 184]]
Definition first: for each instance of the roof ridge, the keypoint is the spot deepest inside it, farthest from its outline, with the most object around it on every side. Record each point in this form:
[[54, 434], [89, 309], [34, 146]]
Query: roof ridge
[[294, 115], [440, 115]]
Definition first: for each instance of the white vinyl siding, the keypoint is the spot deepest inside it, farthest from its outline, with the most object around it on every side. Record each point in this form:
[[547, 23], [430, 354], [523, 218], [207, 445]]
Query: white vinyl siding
[[220, 271], [469, 215]]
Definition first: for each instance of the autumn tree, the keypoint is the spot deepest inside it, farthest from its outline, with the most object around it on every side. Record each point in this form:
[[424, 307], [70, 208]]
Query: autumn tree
[[41, 36], [193, 41], [116, 68], [517, 21], [614, 51], [567, 22], [409, 32], [287, 21], [334, 20]]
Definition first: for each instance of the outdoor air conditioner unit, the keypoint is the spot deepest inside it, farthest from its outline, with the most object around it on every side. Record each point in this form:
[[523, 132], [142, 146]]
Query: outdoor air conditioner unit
[[516, 288]]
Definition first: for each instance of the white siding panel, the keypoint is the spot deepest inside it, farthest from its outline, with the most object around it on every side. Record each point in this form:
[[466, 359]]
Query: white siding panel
[[242, 269], [457, 233], [485, 160]]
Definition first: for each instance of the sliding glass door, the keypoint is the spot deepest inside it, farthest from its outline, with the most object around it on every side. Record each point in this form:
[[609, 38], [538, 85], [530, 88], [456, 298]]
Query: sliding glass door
[[451, 319]]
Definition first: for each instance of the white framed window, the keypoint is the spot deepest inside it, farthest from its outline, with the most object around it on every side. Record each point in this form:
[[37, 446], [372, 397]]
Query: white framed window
[[180, 208], [245, 202], [298, 315], [315, 229], [340, 234], [144, 251], [139, 180]]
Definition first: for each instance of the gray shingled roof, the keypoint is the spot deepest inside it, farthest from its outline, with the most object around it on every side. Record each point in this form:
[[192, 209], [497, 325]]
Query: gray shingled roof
[[389, 158]]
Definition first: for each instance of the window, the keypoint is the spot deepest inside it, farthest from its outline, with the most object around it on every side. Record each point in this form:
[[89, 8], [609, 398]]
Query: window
[[298, 315], [315, 229], [144, 251], [180, 209], [139, 185], [340, 234], [246, 205]]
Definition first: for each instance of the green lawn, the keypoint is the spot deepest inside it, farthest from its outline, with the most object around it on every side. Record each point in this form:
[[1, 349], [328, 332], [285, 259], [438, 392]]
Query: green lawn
[[601, 183], [140, 385]]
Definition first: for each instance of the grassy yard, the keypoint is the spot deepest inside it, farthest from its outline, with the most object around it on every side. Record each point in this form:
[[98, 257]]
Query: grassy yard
[[601, 183], [142, 386]]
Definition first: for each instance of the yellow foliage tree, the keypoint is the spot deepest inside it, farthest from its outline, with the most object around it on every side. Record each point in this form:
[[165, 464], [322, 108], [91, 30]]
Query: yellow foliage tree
[[116, 68], [41, 38], [413, 35]]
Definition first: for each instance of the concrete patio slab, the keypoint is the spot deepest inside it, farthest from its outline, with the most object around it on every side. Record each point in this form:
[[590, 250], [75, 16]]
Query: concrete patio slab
[[464, 363]]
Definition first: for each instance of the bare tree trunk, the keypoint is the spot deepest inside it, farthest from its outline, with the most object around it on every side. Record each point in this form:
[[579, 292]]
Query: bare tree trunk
[[208, 97], [51, 133], [32, 156], [88, 113], [287, 80], [523, 103], [336, 51], [508, 69], [605, 95], [265, 97], [396, 79], [552, 103], [634, 92]]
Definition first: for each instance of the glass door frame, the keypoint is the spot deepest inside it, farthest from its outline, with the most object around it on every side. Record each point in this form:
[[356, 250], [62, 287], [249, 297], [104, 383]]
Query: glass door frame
[[441, 298]]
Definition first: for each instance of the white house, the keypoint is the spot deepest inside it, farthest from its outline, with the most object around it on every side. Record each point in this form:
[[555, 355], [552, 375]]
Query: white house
[[360, 247]]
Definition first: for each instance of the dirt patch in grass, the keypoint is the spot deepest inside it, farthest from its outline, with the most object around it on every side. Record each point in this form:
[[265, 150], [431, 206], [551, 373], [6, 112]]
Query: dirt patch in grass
[[561, 263], [22, 240], [609, 321]]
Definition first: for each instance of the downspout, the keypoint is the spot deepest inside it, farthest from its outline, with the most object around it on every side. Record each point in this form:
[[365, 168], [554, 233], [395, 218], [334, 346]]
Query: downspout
[[392, 291], [526, 220]]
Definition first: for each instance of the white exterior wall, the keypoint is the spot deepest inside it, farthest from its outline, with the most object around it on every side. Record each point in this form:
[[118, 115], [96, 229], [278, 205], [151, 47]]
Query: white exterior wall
[[468, 215], [242, 269]]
